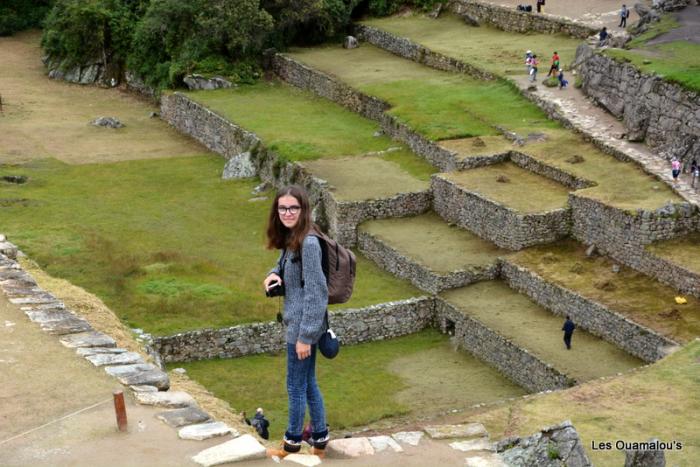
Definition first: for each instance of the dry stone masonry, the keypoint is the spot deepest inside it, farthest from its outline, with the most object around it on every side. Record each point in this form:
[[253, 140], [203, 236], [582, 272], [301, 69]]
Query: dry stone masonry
[[492, 221], [664, 114]]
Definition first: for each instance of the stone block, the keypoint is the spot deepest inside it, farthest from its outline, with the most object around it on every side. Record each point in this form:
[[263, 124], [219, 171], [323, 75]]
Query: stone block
[[488, 460], [143, 388], [245, 447], [408, 437], [123, 358], [207, 430], [185, 416], [469, 430], [172, 399], [140, 373], [88, 339], [303, 459], [349, 448], [380, 443], [476, 444], [85, 351]]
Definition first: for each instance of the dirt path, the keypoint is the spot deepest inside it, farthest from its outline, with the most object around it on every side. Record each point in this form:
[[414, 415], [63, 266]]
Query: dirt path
[[597, 13], [42, 381], [689, 30], [596, 121]]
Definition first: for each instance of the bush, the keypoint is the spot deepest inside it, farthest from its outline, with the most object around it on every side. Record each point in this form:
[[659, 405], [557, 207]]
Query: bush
[[389, 7], [88, 31], [16, 15]]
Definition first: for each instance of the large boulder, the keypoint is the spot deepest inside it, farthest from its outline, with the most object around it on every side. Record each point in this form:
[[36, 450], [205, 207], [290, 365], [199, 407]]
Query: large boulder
[[198, 82], [350, 42], [645, 458], [239, 166], [107, 122], [554, 446]]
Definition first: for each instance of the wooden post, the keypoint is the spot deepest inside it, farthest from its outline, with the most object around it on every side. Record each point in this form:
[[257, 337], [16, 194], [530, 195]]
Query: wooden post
[[120, 410]]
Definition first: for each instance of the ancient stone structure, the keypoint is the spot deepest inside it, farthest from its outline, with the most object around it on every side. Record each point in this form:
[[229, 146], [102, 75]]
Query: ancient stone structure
[[594, 317], [554, 446], [664, 114], [197, 82], [512, 20], [511, 360], [420, 275], [377, 322], [492, 221]]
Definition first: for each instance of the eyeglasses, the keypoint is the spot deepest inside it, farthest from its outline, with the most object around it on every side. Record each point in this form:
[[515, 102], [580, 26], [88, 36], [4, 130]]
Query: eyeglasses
[[293, 210]]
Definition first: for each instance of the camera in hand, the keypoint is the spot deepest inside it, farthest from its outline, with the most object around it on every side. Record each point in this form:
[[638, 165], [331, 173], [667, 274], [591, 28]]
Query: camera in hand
[[277, 290]]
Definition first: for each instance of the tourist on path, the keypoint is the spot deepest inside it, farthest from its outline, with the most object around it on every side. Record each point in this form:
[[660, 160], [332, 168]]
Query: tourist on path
[[540, 4], [603, 37], [528, 61], [624, 14], [533, 68], [261, 424], [555, 65], [562, 82], [305, 302], [695, 173], [675, 169], [568, 329]]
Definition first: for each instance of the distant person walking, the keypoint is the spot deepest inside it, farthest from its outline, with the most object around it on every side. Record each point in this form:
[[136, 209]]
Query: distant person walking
[[624, 14], [675, 169], [568, 329], [261, 424], [540, 4], [695, 172], [533, 68], [562, 82], [603, 37], [555, 65], [528, 61]]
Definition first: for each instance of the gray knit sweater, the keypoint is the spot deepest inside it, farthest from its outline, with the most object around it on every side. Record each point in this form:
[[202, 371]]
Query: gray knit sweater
[[304, 308]]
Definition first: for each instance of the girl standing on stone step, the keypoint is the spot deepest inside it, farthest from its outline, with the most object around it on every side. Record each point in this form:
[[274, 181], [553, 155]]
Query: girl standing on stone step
[[305, 301]]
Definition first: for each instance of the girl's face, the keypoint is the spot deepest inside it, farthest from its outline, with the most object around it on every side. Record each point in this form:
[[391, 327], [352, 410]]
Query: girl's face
[[289, 210]]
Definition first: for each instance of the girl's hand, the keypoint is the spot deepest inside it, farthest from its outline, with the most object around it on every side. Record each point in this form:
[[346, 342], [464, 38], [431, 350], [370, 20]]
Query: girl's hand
[[303, 350], [271, 279]]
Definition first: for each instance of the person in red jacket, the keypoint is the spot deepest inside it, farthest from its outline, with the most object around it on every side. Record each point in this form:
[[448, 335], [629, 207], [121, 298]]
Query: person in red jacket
[[555, 65]]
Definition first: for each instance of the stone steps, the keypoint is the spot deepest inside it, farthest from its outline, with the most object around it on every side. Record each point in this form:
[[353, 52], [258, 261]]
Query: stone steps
[[531, 327], [497, 211], [424, 249]]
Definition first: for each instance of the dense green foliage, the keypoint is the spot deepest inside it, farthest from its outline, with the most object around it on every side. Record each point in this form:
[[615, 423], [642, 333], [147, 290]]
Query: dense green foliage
[[389, 7], [16, 15]]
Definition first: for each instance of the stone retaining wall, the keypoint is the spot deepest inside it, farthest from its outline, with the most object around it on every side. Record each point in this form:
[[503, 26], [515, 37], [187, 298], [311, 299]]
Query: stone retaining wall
[[512, 20], [499, 224], [209, 128], [321, 84], [597, 319], [623, 236], [353, 326], [664, 114], [514, 362], [420, 275], [552, 173], [406, 48]]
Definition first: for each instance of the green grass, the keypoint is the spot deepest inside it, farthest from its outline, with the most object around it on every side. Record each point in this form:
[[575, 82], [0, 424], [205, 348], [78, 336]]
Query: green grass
[[499, 52], [684, 251], [677, 62], [633, 294], [429, 240], [666, 24], [415, 374], [625, 408], [167, 244], [543, 194], [296, 124], [438, 105], [530, 326]]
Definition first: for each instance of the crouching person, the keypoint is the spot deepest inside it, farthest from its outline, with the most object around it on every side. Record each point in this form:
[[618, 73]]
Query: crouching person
[[299, 275]]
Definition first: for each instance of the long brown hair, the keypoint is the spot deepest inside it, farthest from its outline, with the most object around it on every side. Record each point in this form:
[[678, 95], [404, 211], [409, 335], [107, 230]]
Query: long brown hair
[[278, 235]]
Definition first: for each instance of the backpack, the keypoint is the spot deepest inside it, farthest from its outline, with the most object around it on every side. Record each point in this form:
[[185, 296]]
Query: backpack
[[258, 425], [338, 265]]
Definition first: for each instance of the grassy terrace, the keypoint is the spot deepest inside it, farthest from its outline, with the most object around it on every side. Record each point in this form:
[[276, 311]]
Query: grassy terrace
[[419, 374], [624, 408], [684, 251], [430, 241], [446, 106], [45, 118], [365, 177], [532, 327], [478, 146], [674, 60], [543, 194], [167, 244], [635, 295], [500, 52], [302, 127]]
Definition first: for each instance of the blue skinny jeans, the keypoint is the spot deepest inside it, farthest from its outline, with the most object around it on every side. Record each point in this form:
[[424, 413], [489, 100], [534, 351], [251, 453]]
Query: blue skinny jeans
[[302, 390]]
